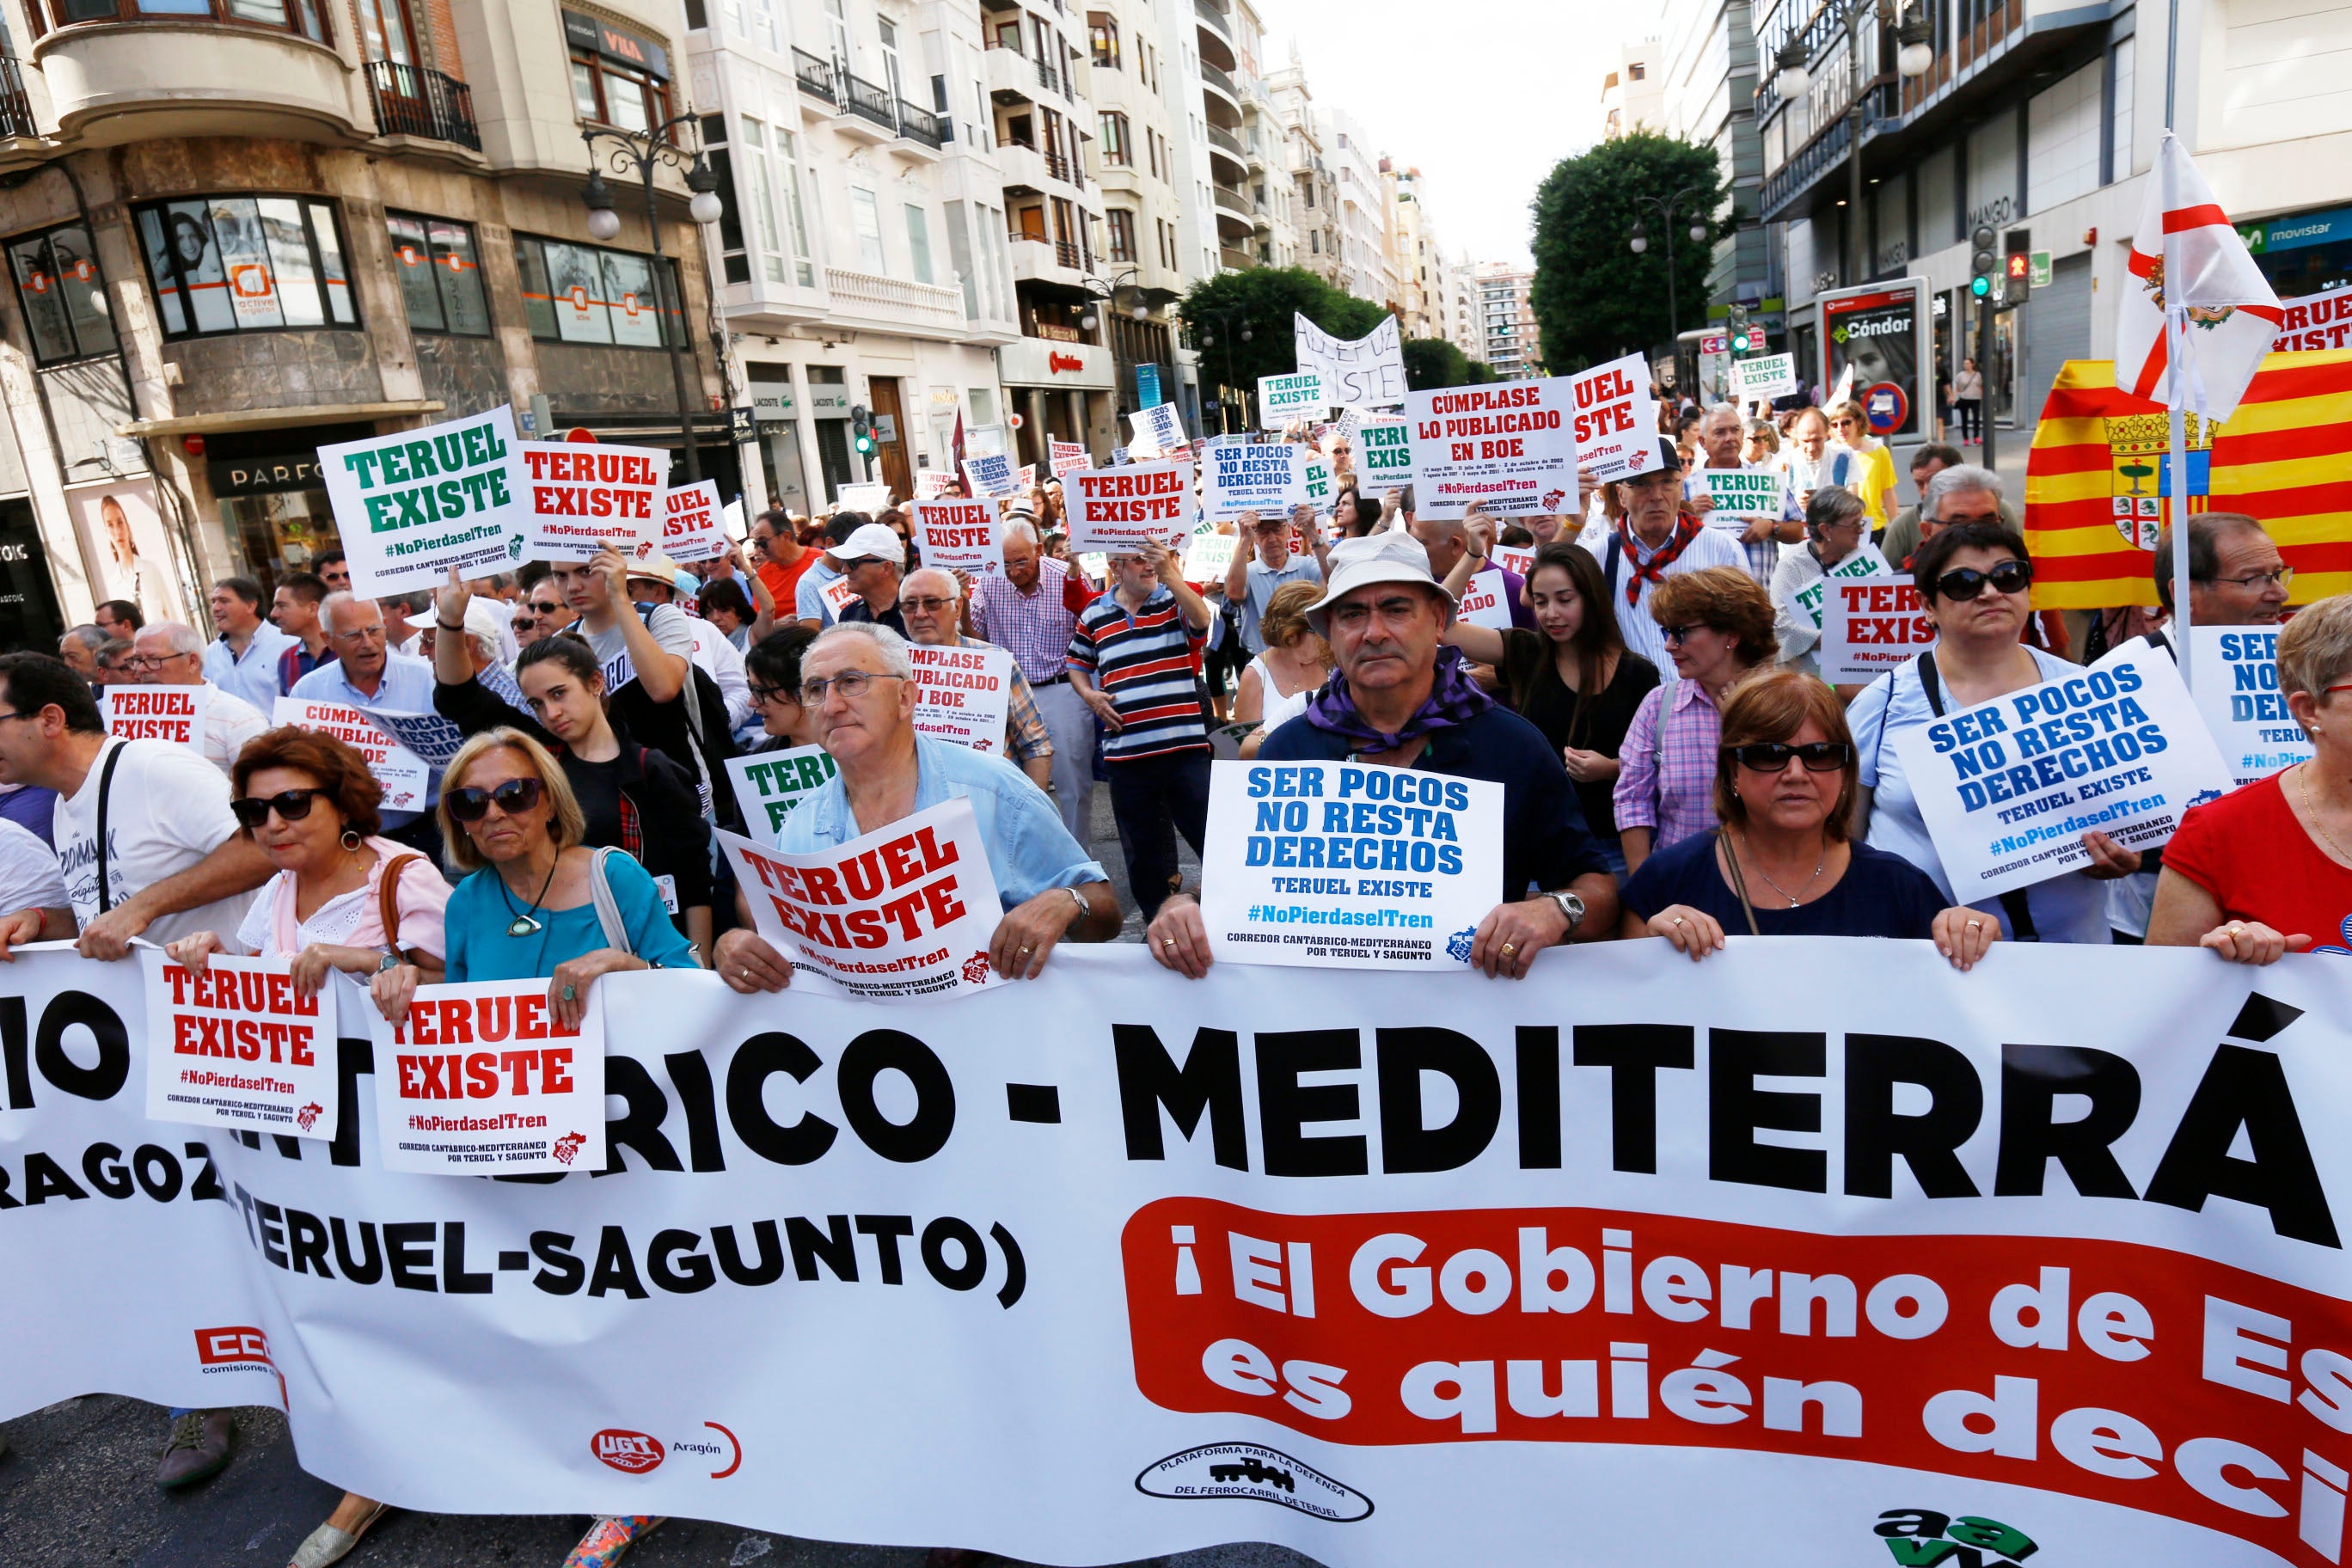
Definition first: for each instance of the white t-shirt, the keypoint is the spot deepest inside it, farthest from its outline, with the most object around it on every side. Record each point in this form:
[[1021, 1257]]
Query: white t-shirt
[[723, 662], [29, 877], [229, 722], [169, 810], [672, 633]]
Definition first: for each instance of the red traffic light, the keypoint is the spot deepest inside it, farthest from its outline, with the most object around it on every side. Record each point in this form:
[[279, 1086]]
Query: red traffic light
[[2021, 265]]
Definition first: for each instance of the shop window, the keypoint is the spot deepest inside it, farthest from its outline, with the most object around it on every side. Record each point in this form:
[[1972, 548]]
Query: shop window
[[440, 274], [62, 293], [306, 17], [585, 294], [243, 264]]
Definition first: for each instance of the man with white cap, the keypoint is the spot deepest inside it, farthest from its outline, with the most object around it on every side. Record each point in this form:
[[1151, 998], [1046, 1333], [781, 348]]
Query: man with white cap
[[1653, 541], [871, 559], [1401, 698]]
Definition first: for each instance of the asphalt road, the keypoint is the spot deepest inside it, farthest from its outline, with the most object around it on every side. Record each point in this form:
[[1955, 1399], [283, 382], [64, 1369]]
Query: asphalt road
[[77, 1487]]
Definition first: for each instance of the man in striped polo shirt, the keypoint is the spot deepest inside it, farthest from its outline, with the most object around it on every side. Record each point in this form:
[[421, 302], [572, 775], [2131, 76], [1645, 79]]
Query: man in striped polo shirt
[[1135, 660]]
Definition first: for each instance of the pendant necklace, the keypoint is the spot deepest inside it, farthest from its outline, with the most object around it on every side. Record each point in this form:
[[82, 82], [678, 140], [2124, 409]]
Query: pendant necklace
[[523, 924], [1796, 900]]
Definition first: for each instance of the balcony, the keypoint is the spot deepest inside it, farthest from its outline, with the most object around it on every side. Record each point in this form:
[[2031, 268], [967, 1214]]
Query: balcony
[[16, 110], [1234, 260], [1047, 261], [1232, 201], [1225, 141], [1011, 77], [1221, 81], [816, 76], [919, 126], [412, 102], [1214, 17], [864, 110], [1048, 78], [923, 308], [1826, 152], [162, 78]]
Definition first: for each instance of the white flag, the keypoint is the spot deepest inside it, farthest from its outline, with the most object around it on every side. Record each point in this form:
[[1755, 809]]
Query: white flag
[[2232, 313]]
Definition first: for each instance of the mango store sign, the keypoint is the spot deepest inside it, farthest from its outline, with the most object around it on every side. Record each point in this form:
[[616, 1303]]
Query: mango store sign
[[412, 506]]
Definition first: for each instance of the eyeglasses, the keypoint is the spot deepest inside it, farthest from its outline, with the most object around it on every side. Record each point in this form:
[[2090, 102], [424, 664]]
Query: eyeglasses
[[5, 717], [2282, 575], [150, 661], [1683, 634], [1968, 582], [927, 606], [513, 797], [1774, 756], [764, 694], [850, 683], [292, 805]]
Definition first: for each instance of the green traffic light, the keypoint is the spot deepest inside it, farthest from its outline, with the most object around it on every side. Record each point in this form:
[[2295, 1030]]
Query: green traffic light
[[1980, 286]]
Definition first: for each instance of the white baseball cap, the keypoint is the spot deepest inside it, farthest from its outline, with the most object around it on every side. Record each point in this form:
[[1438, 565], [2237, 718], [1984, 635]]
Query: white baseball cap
[[1353, 563], [872, 541]]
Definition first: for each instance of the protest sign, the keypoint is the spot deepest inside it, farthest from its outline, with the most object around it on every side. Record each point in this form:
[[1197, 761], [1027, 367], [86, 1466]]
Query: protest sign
[[836, 594], [691, 530], [1063, 457], [429, 735], [1519, 560], [584, 495], [1871, 625], [1616, 423], [1508, 444], [993, 476], [1158, 432], [1765, 377], [1230, 1261], [1314, 482], [412, 505], [2008, 787], [1363, 373], [236, 1045], [174, 714], [1383, 455], [1351, 864], [1742, 495], [1026, 478], [2310, 322], [1114, 511], [1207, 556], [962, 694], [1809, 600], [768, 785], [1484, 602], [402, 773], [483, 1080], [934, 484], [1284, 398], [1265, 478], [2237, 694], [959, 536], [730, 520], [868, 498], [901, 913], [982, 441]]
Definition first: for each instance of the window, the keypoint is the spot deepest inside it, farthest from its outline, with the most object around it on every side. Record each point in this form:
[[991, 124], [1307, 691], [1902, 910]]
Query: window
[[836, 21], [62, 293], [866, 213], [960, 258], [584, 294], [1117, 150], [735, 265], [307, 17], [440, 274], [761, 186], [763, 25], [605, 92], [1103, 34], [918, 242], [1636, 71], [236, 264], [1122, 234], [788, 178], [890, 59]]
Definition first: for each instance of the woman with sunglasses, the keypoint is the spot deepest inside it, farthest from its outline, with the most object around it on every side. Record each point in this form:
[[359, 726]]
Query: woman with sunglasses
[[1974, 578], [1781, 863], [1874, 481], [1717, 626]]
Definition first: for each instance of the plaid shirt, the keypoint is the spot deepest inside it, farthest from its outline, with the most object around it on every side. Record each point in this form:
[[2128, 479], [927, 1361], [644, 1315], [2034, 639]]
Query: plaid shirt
[[1026, 740], [1034, 628], [1675, 801]]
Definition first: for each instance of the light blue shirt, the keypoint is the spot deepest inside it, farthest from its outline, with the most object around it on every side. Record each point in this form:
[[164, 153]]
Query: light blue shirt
[[406, 687], [254, 677], [808, 594], [1029, 850]]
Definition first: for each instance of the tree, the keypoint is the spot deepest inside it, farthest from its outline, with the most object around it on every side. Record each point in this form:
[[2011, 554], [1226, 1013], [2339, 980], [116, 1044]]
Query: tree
[[1263, 299], [1432, 362], [1594, 299]]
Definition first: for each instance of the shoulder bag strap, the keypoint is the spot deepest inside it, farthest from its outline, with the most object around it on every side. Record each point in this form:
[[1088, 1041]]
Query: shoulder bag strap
[[105, 788], [608, 909], [1738, 882], [387, 904]]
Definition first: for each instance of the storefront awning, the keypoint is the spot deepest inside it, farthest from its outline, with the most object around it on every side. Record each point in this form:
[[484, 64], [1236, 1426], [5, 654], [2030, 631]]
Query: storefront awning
[[276, 419]]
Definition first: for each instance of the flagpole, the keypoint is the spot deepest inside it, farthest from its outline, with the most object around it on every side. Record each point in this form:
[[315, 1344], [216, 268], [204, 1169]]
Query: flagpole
[[2176, 328]]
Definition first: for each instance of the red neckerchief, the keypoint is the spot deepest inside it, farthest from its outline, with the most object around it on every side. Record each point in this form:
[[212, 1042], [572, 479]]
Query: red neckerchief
[[1654, 570]]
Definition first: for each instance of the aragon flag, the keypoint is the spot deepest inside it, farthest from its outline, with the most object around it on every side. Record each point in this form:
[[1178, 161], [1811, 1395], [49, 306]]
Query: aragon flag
[[2098, 481]]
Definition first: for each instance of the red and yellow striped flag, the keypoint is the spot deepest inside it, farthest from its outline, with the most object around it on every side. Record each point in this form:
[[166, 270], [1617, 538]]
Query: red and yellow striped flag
[[2096, 479]]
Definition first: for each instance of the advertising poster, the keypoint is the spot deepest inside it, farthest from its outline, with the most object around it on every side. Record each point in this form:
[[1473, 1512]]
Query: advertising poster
[[1266, 478], [1348, 864], [123, 534], [959, 536], [2238, 693], [2008, 787], [402, 773], [482, 1079], [961, 694], [174, 714], [1510, 444], [1114, 511], [586, 494], [236, 1046], [1616, 427], [768, 785], [901, 913], [411, 506], [1871, 335], [692, 525]]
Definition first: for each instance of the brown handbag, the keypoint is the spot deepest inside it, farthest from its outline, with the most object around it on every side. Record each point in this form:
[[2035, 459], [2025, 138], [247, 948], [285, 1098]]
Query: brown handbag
[[387, 903]]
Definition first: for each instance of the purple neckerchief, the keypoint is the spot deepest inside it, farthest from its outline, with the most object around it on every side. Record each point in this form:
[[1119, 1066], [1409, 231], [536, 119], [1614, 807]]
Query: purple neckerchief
[[1453, 699]]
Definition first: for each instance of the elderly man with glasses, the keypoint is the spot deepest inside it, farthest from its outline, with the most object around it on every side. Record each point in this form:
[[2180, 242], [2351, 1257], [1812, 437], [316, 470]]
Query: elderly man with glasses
[[858, 682], [166, 653], [931, 602]]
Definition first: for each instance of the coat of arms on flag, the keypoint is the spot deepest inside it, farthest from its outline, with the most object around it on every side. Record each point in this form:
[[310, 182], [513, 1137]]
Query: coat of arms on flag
[[2142, 473]]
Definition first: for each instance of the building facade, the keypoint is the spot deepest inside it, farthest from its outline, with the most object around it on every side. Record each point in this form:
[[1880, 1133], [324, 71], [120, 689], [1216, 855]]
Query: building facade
[[246, 228], [1142, 256], [1632, 96], [1363, 267], [1508, 318], [1314, 202], [1706, 60]]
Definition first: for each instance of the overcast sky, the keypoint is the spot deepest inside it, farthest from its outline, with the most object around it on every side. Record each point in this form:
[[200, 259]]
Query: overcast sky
[[1484, 95]]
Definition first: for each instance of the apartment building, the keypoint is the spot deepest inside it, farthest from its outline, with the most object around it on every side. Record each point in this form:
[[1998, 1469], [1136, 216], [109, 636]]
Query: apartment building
[[1705, 59], [1465, 326], [1142, 258], [1314, 203], [239, 229], [1415, 258], [1364, 269], [1633, 95], [1512, 351]]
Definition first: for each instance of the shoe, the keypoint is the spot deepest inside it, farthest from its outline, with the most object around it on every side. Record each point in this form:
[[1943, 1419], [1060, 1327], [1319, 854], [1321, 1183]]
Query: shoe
[[609, 1539], [198, 1451], [327, 1544]]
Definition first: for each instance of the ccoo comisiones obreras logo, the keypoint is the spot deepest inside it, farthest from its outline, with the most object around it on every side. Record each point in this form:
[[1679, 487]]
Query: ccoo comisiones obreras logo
[[1919, 1537], [1248, 1470]]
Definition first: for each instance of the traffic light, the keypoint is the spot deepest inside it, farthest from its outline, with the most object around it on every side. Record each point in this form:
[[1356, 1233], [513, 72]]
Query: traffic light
[[2017, 260], [861, 429], [1982, 263]]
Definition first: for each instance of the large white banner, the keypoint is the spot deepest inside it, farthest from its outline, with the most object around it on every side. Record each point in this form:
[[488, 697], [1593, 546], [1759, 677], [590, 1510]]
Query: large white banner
[[1615, 1265], [2237, 693], [1363, 373], [2008, 787], [1511, 446]]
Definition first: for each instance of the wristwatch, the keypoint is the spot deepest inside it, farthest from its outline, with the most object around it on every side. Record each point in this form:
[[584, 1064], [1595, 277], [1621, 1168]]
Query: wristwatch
[[1572, 909]]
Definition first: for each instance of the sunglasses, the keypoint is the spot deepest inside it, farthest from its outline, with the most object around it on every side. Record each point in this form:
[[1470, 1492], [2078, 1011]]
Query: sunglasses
[[1968, 582], [1682, 634], [513, 797], [1773, 756], [292, 805]]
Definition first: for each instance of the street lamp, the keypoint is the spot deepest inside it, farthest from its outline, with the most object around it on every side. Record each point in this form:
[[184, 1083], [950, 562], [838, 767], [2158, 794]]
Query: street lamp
[[1914, 56], [643, 153], [1639, 241]]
